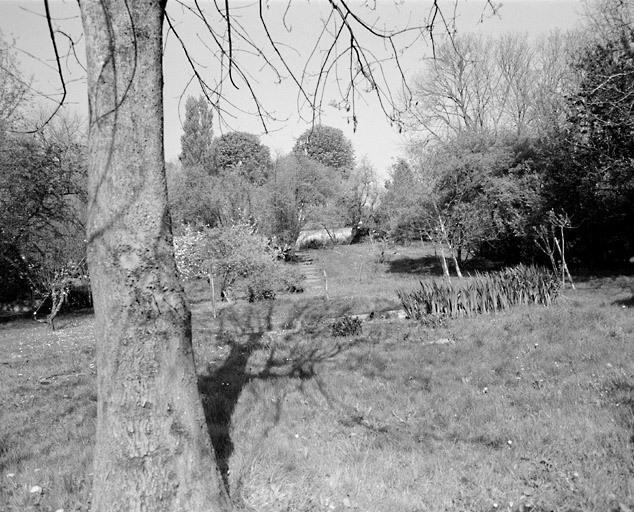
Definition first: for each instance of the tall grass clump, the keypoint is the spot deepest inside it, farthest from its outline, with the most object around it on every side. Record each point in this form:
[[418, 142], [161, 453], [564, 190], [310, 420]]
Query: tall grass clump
[[483, 293]]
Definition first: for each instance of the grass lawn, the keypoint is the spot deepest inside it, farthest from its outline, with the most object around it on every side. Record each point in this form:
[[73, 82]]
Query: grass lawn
[[531, 410]]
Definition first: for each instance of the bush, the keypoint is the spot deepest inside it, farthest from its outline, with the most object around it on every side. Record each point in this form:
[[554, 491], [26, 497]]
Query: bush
[[261, 286], [346, 326], [284, 251], [292, 280], [264, 284]]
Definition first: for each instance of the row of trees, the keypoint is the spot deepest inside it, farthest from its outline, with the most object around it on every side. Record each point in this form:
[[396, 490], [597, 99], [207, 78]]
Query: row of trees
[[232, 179], [515, 136], [42, 195], [511, 134], [224, 183]]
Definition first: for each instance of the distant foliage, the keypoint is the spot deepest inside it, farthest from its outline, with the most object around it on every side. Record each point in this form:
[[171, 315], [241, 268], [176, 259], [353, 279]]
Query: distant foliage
[[484, 293], [229, 253], [328, 146], [198, 134], [360, 198], [274, 277], [301, 192], [402, 206], [346, 326], [594, 182], [190, 254], [42, 205], [14, 87], [242, 153]]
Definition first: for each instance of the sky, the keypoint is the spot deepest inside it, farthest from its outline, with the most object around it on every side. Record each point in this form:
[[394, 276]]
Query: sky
[[295, 29]]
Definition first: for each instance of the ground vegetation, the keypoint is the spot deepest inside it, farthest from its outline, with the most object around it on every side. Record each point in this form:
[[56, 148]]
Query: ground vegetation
[[393, 416]]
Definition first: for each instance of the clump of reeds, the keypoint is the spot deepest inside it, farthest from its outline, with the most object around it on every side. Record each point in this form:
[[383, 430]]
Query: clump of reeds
[[483, 293]]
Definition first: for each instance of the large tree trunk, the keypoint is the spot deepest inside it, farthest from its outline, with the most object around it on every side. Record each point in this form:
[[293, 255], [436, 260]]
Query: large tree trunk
[[153, 451]]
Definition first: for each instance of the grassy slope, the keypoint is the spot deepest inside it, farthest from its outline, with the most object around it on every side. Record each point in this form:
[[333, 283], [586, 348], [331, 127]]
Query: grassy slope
[[534, 406]]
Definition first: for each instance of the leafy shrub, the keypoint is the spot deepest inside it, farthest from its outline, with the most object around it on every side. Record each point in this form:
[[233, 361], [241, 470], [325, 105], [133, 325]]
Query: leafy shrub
[[483, 293], [274, 277], [292, 280], [283, 250], [346, 326], [235, 252], [261, 286]]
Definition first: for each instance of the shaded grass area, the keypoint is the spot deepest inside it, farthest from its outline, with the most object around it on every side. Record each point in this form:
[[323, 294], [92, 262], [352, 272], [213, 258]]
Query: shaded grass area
[[533, 407]]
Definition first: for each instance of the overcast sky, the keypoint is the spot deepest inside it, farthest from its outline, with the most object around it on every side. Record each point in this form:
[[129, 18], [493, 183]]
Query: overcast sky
[[23, 22]]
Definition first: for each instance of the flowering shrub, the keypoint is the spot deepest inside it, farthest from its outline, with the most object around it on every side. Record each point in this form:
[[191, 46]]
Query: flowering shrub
[[226, 252], [232, 252], [190, 254]]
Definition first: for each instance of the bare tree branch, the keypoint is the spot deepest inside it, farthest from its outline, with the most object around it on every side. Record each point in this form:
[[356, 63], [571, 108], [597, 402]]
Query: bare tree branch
[[51, 30]]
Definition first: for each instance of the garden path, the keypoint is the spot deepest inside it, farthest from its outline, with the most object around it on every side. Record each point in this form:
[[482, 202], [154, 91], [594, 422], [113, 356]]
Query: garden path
[[315, 282]]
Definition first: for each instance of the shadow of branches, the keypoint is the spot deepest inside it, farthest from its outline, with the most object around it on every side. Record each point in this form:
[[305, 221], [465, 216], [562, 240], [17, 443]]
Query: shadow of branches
[[292, 353]]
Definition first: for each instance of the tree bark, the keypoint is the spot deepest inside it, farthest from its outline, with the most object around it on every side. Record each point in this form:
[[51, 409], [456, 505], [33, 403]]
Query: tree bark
[[443, 261], [456, 264], [153, 451], [58, 297]]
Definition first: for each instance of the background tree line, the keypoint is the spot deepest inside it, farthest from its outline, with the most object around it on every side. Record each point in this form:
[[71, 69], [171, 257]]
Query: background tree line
[[232, 179], [42, 194], [513, 133], [506, 134], [497, 167]]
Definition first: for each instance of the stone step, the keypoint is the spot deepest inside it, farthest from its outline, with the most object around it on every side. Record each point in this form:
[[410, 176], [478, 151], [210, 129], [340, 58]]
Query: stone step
[[314, 276]]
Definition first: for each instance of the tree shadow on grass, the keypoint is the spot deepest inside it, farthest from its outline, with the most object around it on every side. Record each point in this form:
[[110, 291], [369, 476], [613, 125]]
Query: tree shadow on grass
[[221, 383], [425, 265], [242, 317], [625, 303], [430, 266]]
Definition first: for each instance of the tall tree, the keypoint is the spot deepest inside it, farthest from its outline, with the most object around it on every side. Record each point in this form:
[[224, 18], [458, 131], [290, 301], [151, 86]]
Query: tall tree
[[514, 59], [153, 451], [360, 197], [42, 206], [14, 87], [197, 138], [301, 193], [554, 82], [595, 185], [404, 204], [243, 153], [457, 90], [328, 146], [495, 85]]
